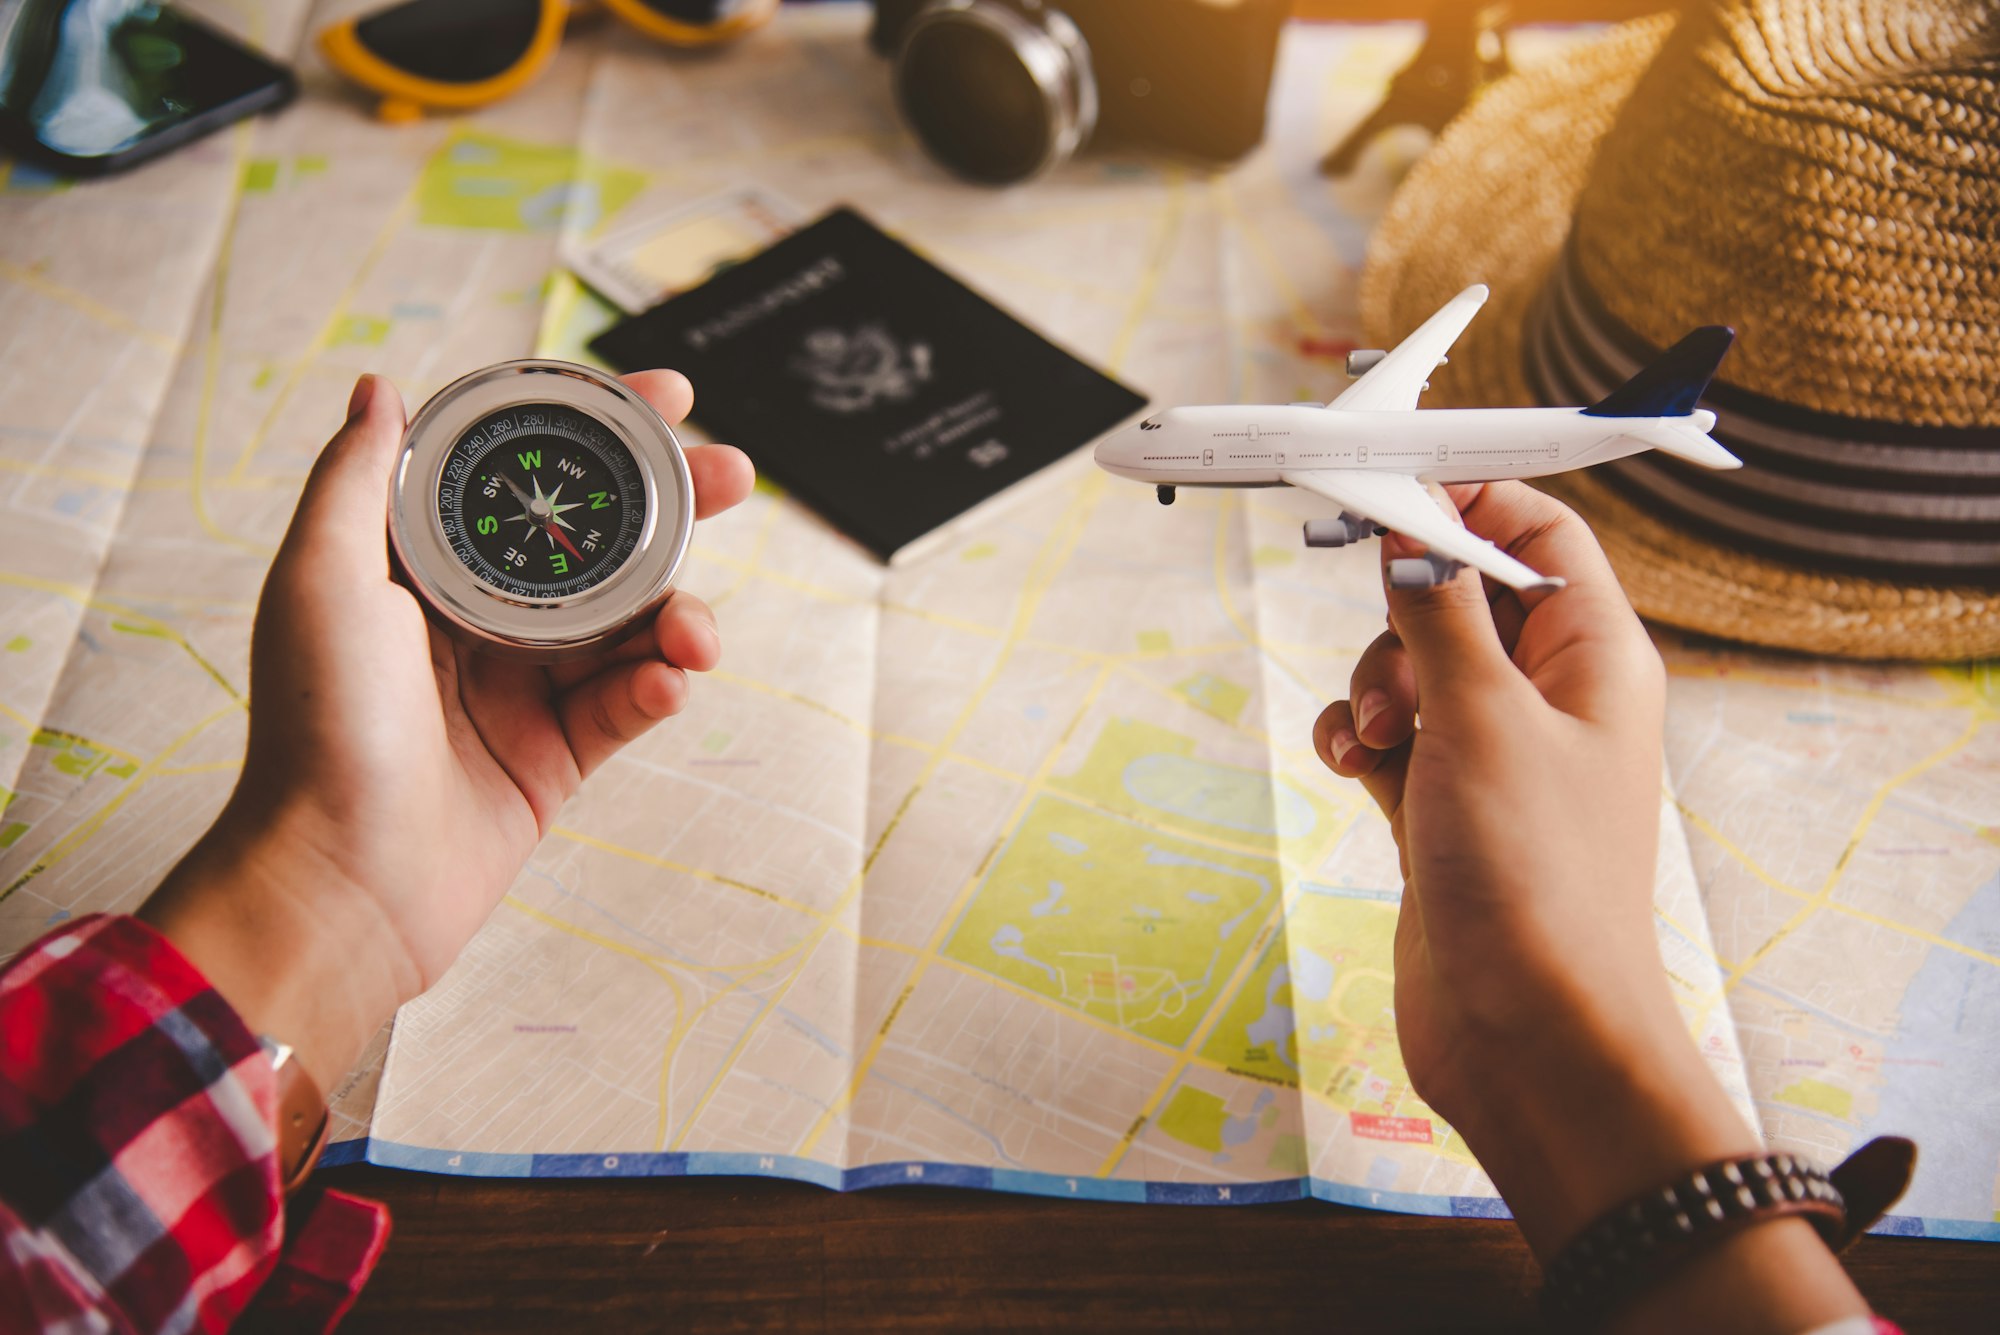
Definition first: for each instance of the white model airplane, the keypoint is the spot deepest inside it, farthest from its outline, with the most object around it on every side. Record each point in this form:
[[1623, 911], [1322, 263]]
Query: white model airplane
[[1371, 452]]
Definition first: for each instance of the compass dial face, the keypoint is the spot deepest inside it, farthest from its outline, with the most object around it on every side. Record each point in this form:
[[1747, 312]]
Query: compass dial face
[[539, 500]]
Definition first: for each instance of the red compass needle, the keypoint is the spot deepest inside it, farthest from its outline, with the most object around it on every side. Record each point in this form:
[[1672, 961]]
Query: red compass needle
[[555, 531]]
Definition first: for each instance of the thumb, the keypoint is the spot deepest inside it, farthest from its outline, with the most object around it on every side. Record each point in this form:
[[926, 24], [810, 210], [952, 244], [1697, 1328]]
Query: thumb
[[344, 509], [1448, 631]]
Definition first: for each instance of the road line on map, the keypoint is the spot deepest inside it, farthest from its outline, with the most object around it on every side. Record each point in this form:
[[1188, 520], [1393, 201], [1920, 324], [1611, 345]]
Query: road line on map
[[38, 729], [1167, 692], [1983, 700], [81, 835], [270, 482], [671, 1049], [85, 305], [1918, 933], [1127, 659], [955, 757], [1267, 930], [808, 947], [654, 964], [783, 580], [324, 337], [1042, 572], [1023, 620], [111, 370], [1059, 547], [89, 599], [209, 767], [746, 569], [941, 619], [1236, 618], [833, 596], [1867, 818], [1069, 1012], [684, 1025], [1278, 925], [729, 1059], [1166, 234], [950, 917], [1037, 787], [582, 933], [211, 356], [1306, 321], [471, 289], [661, 966], [1706, 827], [1707, 952], [668, 864], [793, 697], [57, 473], [1166, 828], [1704, 672], [747, 967], [1054, 1004]]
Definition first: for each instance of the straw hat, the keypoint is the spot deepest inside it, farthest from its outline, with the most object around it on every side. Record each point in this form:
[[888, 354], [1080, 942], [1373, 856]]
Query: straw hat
[[1824, 175]]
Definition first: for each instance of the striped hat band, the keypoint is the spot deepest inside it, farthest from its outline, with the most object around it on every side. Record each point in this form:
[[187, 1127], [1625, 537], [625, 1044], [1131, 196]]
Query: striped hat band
[[1836, 491]]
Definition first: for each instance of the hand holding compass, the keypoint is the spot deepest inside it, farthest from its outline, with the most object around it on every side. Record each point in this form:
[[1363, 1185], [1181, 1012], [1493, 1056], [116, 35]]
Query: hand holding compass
[[397, 778]]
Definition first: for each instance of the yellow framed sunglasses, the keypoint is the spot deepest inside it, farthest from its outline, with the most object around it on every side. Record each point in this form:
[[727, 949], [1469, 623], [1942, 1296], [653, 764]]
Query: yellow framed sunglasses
[[452, 55]]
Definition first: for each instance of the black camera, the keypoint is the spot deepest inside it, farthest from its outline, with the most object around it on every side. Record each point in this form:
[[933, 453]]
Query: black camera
[[1002, 90]]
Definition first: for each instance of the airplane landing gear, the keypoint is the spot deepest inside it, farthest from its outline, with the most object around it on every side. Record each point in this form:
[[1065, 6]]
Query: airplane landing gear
[[1165, 493]]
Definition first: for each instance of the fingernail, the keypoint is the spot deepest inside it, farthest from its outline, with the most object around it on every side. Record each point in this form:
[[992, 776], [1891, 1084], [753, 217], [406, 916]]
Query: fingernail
[[357, 402], [1341, 744], [1369, 709]]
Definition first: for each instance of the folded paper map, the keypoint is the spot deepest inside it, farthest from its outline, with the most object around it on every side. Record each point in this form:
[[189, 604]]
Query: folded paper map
[[1011, 866]]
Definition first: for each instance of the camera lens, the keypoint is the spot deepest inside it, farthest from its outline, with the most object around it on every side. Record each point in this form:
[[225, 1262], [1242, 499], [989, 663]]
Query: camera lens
[[995, 94]]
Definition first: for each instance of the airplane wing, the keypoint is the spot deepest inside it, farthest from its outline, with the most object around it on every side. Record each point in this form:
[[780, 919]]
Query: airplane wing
[[1399, 501], [1393, 384]]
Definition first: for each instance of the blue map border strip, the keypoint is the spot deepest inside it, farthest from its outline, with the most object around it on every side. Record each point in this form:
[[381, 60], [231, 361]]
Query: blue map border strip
[[676, 1163]]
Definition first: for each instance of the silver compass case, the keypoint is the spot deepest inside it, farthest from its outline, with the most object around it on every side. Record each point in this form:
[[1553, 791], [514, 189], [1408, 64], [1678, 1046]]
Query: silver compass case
[[540, 630]]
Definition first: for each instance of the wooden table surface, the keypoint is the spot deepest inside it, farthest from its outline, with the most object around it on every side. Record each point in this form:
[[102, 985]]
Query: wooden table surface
[[745, 1254]]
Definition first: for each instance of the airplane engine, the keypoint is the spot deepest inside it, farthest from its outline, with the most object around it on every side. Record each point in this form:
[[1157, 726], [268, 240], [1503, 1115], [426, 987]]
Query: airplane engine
[[1362, 360], [1338, 532], [1421, 572]]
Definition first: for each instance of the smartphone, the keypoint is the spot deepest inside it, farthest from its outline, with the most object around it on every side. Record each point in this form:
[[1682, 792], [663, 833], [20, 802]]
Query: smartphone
[[89, 87]]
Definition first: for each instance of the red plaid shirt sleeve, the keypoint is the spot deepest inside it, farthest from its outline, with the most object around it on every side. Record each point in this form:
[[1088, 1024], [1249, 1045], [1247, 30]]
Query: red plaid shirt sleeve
[[138, 1163]]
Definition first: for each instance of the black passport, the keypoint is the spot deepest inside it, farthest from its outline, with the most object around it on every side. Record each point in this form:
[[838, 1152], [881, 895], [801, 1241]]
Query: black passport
[[868, 382]]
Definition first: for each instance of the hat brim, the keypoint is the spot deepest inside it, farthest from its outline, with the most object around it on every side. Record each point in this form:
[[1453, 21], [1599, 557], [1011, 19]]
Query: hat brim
[[1491, 203]]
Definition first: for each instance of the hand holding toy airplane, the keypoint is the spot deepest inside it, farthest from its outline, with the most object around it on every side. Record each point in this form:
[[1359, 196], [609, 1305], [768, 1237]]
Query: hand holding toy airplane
[[1371, 451]]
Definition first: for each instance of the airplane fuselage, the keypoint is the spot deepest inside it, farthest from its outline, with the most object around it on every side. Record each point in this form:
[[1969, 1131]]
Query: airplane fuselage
[[1372, 452], [1251, 446]]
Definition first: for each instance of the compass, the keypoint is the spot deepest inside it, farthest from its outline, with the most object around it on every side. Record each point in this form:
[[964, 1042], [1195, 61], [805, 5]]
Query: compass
[[540, 510]]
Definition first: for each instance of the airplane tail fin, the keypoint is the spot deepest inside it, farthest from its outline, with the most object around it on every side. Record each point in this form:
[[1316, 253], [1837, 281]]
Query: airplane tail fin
[[1672, 384]]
